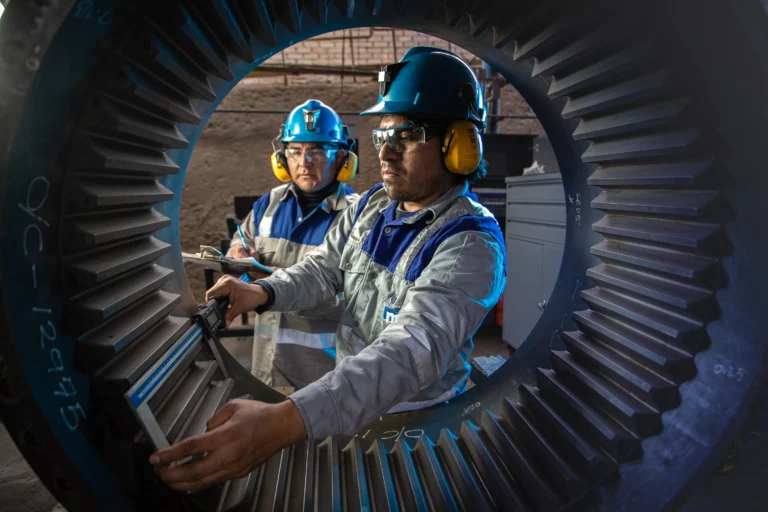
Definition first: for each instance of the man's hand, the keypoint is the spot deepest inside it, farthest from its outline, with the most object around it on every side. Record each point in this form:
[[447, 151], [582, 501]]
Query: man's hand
[[239, 251], [240, 437], [243, 297]]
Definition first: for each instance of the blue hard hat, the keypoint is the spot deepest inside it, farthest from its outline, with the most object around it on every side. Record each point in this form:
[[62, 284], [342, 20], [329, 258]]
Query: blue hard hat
[[314, 121], [430, 83]]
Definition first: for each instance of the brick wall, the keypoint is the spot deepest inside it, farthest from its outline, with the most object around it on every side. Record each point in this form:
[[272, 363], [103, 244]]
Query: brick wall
[[367, 46], [372, 46]]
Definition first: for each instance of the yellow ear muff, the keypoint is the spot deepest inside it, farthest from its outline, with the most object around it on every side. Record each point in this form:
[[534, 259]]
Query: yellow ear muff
[[462, 147], [348, 169], [280, 166]]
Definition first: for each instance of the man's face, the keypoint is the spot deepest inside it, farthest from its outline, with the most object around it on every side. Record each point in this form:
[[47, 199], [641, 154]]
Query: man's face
[[415, 174], [312, 166]]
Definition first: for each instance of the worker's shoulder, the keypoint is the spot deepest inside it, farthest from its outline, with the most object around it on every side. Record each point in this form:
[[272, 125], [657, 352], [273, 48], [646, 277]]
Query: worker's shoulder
[[465, 241], [280, 189], [350, 196], [376, 192], [465, 221], [261, 205], [468, 226], [372, 197], [466, 214], [467, 205], [348, 191], [273, 194]]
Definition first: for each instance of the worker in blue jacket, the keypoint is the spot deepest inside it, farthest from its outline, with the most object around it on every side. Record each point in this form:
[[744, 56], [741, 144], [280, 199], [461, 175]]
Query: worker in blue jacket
[[315, 162], [420, 263]]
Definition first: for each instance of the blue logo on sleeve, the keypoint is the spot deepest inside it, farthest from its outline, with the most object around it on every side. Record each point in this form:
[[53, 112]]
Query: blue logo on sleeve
[[390, 314]]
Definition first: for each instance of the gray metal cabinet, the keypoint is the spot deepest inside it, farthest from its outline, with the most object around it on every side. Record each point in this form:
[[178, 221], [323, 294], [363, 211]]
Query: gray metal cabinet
[[535, 236]]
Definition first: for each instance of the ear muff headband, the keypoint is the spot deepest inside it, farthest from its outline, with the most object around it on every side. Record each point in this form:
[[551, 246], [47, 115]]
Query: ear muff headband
[[462, 147], [280, 166]]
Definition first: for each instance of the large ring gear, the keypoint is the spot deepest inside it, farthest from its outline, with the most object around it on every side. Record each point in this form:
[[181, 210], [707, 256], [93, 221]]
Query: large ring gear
[[629, 390]]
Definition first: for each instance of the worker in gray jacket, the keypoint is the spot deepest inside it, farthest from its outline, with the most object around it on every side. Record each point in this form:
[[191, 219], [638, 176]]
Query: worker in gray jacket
[[420, 264], [292, 349]]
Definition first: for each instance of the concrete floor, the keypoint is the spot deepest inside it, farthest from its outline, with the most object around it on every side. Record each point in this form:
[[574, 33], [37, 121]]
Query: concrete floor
[[20, 489]]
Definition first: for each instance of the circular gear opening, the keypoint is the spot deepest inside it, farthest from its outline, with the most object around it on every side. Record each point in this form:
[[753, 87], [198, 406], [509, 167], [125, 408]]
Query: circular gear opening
[[229, 171]]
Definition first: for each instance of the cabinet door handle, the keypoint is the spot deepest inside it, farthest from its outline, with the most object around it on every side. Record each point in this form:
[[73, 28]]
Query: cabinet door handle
[[542, 305]]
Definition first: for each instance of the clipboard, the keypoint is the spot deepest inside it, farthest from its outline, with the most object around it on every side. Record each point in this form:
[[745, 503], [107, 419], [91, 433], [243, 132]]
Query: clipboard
[[209, 257]]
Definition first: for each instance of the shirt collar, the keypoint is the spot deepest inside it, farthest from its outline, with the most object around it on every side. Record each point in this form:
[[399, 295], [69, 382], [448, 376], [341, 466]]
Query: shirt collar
[[289, 190], [336, 200], [434, 210]]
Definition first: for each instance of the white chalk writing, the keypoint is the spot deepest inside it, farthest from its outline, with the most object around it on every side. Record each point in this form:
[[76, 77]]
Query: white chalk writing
[[33, 245], [471, 408], [729, 372]]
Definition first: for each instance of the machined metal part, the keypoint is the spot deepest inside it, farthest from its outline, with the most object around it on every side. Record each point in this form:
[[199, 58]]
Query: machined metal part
[[140, 394], [211, 318]]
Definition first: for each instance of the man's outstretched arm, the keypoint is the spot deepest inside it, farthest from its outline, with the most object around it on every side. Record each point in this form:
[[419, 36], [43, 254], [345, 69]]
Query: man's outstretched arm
[[441, 311], [310, 283]]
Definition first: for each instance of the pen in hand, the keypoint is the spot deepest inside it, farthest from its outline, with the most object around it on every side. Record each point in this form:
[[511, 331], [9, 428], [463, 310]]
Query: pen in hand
[[256, 263], [246, 247], [242, 236]]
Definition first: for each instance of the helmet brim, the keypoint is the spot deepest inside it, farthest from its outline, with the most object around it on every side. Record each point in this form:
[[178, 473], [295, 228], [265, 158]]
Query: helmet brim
[[319, 139], [386, 108]]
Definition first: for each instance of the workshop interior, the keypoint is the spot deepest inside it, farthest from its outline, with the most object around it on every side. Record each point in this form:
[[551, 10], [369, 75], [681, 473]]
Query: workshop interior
[[631, 373]]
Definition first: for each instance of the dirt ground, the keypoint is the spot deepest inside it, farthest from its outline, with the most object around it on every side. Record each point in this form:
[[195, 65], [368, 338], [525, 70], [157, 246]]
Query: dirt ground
[[232, 156]]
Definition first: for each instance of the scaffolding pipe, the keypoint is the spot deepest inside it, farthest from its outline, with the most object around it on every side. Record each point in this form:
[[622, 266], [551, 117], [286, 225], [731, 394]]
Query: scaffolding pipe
[[309, 69], [343, 51], [339, 38], [369, 70], [352, 53], [285, 75]]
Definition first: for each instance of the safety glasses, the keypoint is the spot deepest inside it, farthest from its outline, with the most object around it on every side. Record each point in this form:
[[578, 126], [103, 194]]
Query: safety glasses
[[399, 138], [316, 155]]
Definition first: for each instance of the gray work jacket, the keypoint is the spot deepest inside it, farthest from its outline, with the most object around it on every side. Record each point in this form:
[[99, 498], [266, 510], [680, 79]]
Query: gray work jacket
[[296, 348], [416, 289]]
